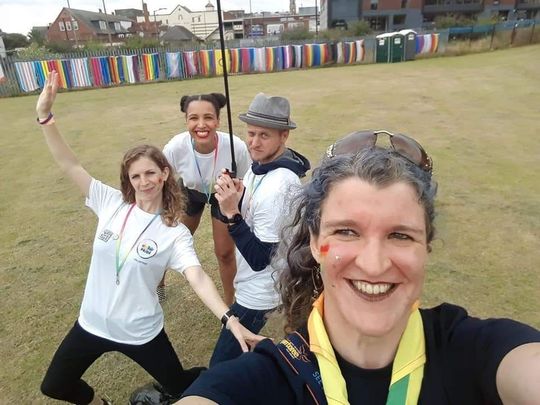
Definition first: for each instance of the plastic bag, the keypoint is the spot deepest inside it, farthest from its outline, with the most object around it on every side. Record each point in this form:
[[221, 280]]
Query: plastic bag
[[151, 394]]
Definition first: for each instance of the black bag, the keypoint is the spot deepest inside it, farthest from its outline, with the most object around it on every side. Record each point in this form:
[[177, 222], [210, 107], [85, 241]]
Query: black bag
[[151, 394]]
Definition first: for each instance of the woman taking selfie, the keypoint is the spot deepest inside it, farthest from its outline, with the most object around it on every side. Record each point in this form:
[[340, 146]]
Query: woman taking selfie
[[355, 267]]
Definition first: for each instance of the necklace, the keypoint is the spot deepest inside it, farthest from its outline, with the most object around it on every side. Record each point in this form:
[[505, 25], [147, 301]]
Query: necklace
[[207, 185], [120, 264]]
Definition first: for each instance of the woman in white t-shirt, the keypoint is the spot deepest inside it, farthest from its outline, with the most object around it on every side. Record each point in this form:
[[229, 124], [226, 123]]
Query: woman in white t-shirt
[[139, 235], [198, 155]]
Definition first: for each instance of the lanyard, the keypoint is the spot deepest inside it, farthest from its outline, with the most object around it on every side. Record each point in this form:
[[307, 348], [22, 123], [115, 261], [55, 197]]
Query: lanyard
[[119, 264], [252, 189], [207, 186]]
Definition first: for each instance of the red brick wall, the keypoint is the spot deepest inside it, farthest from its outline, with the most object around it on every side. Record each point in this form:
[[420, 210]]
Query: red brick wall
[[84, 33]]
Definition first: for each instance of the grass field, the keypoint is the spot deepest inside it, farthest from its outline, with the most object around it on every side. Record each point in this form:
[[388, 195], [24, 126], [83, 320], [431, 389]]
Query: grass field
[[476, 115]]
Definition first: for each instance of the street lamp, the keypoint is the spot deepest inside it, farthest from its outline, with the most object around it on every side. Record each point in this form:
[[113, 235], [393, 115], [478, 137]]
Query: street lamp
[[155, 23]]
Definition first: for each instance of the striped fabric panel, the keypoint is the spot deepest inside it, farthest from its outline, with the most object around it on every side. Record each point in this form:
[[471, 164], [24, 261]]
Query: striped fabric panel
[[80, 72], [434, 43], [172, 64], [191, 61], [2, 75], [259, 62], [360, 50], [26, 76], [287, 57]]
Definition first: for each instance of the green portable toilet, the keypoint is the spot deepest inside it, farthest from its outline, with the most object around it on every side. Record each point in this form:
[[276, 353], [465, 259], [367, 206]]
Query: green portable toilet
[[397, 47], [383, 48], [410, 44]]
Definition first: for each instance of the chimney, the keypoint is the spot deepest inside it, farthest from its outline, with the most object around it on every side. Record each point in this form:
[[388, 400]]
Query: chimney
[[292, 7], [145, 12]]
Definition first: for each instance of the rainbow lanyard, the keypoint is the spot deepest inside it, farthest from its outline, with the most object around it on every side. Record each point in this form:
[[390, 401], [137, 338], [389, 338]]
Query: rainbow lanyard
[[207, 185], [119, 264], [252, 189]]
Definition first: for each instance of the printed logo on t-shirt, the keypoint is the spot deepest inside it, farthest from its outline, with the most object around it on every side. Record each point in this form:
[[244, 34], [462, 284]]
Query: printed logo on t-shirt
[[147, 248]]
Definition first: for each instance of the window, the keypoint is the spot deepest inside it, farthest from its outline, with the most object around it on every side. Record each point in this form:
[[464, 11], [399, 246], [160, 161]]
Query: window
[[117, 26], [75, 25], [102, 25], [404, 3], [193, 19], [374, 4], [68, 25], [62, 26], [399, 19]]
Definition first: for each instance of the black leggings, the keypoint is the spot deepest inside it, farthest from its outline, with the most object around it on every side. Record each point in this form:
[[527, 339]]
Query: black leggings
[[80, 349]]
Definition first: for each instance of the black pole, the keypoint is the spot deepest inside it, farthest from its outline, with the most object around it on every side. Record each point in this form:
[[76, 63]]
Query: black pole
[[226, 83]]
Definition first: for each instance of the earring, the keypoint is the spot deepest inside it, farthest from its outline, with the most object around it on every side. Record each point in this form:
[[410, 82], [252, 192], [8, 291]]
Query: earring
[[317, 282]]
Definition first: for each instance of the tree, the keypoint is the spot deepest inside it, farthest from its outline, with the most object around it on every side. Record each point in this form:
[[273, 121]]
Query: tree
[[12, 41], [36, 36], [450, 20], [296, 34], [359, 28]]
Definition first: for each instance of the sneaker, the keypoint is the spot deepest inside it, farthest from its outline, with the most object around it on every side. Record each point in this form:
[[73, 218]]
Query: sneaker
[[162, 295]]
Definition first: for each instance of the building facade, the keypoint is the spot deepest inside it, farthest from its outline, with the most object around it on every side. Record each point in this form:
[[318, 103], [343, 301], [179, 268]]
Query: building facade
[[73, 25], [393, 15]]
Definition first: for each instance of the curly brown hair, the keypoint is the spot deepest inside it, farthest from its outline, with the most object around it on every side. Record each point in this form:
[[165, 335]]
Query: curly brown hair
[[174, 199], [297, 282]]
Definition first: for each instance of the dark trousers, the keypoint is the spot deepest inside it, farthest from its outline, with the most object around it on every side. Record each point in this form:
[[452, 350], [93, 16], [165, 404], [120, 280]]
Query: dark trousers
[[80, 349], [227, 347]]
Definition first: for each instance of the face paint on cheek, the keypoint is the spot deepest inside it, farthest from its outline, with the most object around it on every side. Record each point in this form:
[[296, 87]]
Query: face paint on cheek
[[324, 250]]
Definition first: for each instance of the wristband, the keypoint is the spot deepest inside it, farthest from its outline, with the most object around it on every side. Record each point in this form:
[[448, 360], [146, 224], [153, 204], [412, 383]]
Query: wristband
[[226, 316], [46, 120]]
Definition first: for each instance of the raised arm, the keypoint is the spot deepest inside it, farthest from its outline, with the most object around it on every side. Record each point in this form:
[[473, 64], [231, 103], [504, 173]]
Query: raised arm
[[206, 290], [61, 152], [518, 376]]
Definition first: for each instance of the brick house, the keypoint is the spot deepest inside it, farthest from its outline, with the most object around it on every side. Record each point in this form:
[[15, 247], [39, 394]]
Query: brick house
[[74, 25]]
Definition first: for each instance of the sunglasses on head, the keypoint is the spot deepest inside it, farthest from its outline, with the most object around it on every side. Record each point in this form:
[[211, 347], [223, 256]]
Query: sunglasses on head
[[402, 144]]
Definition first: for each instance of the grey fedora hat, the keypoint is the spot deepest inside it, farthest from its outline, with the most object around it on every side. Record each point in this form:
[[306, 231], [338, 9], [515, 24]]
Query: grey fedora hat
[[269, 112]]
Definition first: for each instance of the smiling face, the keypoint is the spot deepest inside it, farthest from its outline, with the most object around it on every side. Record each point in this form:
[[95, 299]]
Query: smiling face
[[265, 144], [202, 122], [147, 180], [372, 249]]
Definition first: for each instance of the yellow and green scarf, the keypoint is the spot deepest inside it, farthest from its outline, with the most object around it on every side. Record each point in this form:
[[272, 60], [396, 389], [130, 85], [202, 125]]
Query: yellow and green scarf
[[407, 370]]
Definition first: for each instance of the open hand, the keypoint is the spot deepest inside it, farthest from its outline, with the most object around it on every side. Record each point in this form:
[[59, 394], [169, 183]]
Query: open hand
[[247, 339], [47, 96]]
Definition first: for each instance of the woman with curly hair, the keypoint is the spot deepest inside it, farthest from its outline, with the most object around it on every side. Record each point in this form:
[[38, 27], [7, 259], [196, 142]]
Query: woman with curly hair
[[139, 235], [354, 268]]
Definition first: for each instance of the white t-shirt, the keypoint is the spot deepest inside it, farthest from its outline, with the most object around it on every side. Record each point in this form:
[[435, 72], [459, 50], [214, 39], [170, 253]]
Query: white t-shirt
[[181, 155], [264, 208], [129, 312]]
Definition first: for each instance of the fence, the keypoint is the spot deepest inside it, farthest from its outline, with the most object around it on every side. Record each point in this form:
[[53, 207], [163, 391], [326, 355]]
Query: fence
[[114, 67]]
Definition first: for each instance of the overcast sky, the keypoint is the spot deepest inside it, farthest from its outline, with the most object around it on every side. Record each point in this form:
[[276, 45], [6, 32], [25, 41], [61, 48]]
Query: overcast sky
[[21, 15]]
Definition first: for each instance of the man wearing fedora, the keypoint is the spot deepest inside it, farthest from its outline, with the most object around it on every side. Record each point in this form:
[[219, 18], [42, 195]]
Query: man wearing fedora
[[255, 208]]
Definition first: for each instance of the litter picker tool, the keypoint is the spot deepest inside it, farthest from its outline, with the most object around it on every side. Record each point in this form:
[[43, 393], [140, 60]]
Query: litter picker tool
[[231, 172]]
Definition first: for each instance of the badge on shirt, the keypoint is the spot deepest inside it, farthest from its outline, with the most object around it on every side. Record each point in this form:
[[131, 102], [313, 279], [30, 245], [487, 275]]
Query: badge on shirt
[[106, 235], [147, 249]]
